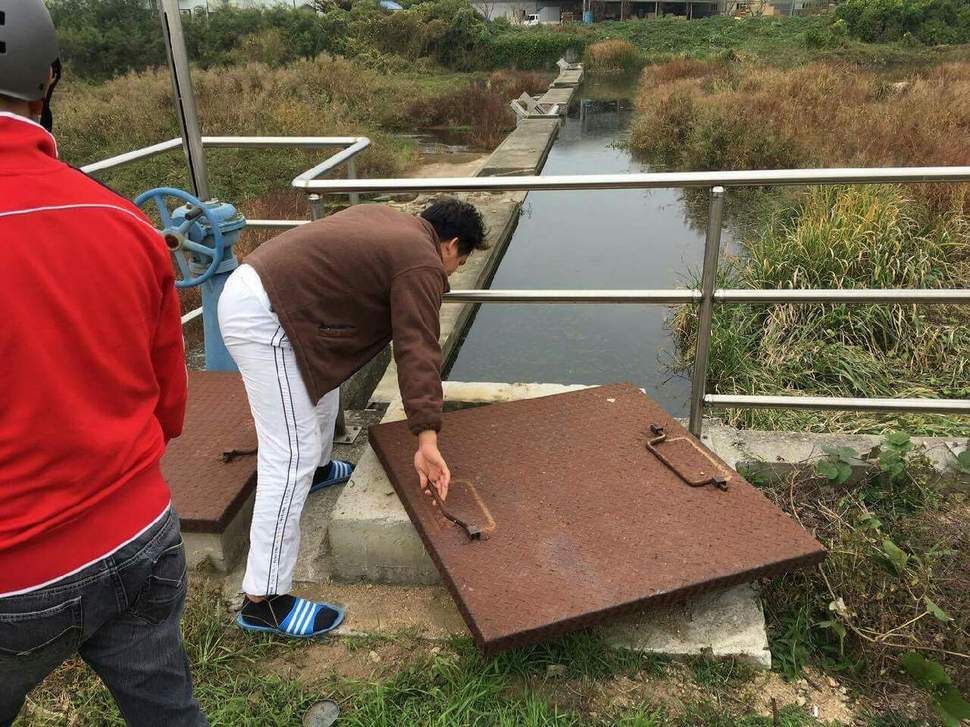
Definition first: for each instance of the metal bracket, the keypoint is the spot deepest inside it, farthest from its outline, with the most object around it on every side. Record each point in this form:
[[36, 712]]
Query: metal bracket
[[660, 436], [228, 455], [348, 436]]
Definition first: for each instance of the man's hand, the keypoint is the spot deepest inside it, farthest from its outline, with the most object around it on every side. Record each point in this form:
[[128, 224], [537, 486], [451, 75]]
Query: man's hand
[[431, 465]]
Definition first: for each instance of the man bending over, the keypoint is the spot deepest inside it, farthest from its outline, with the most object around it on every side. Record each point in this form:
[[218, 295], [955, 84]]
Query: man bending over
[[303, 313]]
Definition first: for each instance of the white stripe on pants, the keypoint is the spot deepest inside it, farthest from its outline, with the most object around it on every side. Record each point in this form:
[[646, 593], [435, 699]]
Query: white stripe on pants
[[295, 436]]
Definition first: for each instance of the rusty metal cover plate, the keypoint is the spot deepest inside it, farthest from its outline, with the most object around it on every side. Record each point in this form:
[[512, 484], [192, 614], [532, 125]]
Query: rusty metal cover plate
[[579, 521], [208, 492]]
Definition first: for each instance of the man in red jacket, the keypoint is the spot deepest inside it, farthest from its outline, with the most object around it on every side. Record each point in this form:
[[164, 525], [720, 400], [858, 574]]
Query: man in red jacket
[[93, 385]]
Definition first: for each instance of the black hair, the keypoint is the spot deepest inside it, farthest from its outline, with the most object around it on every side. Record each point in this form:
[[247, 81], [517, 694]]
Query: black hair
[[453, 218]]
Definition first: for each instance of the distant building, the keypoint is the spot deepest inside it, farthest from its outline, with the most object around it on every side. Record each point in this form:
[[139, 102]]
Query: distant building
[[203, 6], [548, 11], [556, 11]]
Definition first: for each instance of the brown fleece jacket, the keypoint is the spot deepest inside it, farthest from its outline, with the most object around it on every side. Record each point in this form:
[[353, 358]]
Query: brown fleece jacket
[[346, 285]]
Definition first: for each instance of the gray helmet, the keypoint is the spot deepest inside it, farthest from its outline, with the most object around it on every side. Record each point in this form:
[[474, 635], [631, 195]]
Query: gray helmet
[[28, 48]]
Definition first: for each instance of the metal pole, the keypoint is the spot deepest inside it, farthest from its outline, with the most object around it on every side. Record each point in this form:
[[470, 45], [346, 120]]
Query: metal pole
[[705, 313], [178, 62], [352, 174], [316, 206]]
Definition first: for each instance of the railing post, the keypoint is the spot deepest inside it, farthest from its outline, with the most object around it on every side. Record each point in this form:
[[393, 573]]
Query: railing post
[[352, 174], [178, 61], [705, 313]]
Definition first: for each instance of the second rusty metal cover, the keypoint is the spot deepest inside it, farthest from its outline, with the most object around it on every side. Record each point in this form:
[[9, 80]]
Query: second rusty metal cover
[[207, 491], [580, 521]]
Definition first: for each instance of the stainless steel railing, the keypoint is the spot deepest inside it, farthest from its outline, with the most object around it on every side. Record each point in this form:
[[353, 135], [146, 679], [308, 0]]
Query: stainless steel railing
[[706, 297], [350, 147]]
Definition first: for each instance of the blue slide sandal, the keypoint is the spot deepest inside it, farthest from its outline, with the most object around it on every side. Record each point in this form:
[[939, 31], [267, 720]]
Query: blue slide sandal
[[340, 472], [298, 623]]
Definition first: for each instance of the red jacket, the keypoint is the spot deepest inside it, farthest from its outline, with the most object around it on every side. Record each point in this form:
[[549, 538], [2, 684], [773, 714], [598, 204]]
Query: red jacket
[[92, 368]]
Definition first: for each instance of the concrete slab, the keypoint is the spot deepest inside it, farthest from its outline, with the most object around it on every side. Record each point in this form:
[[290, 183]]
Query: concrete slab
[[558, 95], [524, 151], [220, 551], [727, 624], [569, 78], [778, 454]]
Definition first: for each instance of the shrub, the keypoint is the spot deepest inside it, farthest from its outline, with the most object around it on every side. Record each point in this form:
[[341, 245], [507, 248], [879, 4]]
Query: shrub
[[930, 21], [534, 48], [612, 56], [99, 39], [701, 115], [483, 106]]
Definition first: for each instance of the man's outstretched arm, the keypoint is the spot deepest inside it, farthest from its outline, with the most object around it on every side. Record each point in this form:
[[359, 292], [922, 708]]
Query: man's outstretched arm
[[415, 306]]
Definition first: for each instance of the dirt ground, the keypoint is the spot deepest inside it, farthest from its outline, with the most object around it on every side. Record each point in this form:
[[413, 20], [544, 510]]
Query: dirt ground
[[763, 693], [461, 164]]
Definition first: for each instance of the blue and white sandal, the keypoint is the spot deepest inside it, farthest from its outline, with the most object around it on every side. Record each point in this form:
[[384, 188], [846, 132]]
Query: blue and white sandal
[[340, 472], [298, 623]]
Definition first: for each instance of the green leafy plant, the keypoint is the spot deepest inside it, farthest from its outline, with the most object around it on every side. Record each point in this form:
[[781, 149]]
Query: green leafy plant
[[938, 613], [963, 461], [893, 453], [895, 557], [933, 679], [837, 468]]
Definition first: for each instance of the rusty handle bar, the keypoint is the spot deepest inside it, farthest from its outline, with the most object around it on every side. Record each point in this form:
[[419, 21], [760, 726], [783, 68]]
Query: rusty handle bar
[[472, 531], [659, 438]]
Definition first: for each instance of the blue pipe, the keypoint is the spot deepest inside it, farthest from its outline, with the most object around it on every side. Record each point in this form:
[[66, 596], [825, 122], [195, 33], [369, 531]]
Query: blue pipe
[[217, 356]]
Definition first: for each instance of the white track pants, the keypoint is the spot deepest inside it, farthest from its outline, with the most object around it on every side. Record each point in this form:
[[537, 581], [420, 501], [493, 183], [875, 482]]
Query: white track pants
[[295, 435]]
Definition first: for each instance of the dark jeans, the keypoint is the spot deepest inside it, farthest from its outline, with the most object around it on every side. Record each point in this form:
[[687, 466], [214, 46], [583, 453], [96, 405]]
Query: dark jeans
[[122, 615]]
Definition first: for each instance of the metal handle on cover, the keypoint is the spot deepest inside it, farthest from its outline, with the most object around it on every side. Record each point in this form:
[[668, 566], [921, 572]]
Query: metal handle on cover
[[660, 436], [471, 530]]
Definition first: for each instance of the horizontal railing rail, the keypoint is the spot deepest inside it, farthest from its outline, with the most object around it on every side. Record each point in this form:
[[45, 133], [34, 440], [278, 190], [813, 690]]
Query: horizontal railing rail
[[656, 180], [838, 403], [705, 297], [351, 147]]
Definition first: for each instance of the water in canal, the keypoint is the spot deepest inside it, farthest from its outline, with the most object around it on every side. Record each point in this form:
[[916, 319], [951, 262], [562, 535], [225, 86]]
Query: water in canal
[[590, 240]]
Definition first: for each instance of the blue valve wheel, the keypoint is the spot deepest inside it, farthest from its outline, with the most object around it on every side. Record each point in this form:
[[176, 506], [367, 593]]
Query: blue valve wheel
[[177, 235]]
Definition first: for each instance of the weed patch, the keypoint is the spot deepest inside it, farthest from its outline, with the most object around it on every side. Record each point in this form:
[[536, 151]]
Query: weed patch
[[858, 237], [894, 582], [612, 56]]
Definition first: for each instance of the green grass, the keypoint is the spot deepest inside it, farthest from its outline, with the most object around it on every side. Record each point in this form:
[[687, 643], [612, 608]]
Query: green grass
[[860, 237], [864, 607], [776, 40], [554, 683]]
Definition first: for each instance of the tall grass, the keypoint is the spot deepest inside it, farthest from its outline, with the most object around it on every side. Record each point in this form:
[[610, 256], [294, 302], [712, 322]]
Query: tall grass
[[616, 55], [726, 115], [323, 97], [857, 237], [481, 105], [326, 96], [721, 115]]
